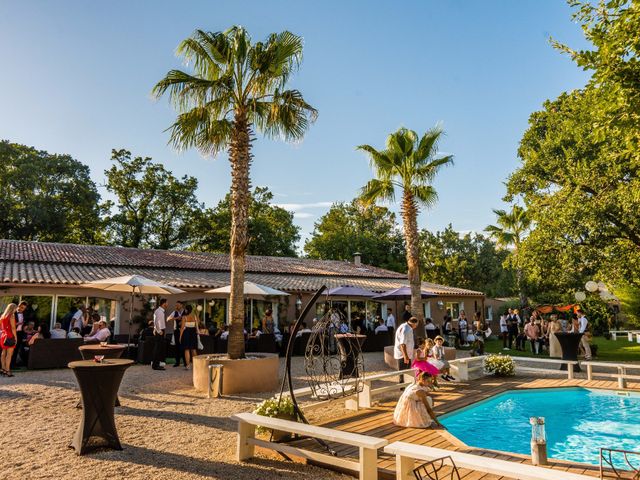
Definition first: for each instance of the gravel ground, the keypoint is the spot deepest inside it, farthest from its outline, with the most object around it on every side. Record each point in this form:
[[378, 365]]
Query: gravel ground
[[167, 429]]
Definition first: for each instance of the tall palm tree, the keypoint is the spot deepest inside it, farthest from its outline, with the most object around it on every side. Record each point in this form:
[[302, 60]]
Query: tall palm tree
[[511, 231], [235, 87], [408, 163]]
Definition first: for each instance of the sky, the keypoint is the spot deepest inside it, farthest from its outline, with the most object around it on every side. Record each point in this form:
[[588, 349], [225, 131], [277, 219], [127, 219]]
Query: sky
[[76, 78]]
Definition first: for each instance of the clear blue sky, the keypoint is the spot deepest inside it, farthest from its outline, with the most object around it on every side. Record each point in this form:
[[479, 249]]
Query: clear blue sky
[[76, 78]]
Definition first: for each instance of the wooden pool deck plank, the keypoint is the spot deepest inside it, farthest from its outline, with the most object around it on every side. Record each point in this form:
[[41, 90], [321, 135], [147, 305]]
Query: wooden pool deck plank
[[377, 421]]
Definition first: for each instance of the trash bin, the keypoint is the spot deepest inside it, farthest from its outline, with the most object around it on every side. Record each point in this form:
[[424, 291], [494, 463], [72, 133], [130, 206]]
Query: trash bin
[[215, 380]]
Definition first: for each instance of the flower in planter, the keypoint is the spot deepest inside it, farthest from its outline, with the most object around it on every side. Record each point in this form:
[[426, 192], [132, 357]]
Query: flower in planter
[[275, 408], [499, 365]]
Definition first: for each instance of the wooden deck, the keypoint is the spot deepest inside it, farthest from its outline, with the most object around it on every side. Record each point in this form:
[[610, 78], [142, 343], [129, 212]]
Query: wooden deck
[[377, 422]]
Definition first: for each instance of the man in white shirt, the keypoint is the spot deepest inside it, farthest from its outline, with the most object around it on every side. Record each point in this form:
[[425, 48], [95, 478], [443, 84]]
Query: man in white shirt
[[58, 331], [405, 344], [159, 326], [78, 320], [583, 324], [304, 329], [101, 334], [391, 320]]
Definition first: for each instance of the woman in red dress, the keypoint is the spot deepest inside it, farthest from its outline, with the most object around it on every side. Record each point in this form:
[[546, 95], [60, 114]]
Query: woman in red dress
[[8, 338]]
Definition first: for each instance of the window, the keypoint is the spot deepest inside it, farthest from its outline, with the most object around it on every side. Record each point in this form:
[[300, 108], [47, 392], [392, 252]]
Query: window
[[453, 309], [38, 310], [107, 308], [215, 310], [488, 313], [427, 310]]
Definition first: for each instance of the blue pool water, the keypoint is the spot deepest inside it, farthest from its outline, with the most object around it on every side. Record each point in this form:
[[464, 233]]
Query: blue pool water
[[578, 422]]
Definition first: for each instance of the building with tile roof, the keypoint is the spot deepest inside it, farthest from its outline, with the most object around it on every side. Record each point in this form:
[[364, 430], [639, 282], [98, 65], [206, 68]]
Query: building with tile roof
[[49, 275]]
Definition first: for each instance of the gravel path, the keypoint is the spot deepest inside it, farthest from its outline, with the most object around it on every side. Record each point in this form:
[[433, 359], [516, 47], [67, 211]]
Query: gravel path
[[167, 429]]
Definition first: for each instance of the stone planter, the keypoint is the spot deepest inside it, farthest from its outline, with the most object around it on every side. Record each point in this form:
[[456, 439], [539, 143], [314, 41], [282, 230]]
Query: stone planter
[[256, 373]]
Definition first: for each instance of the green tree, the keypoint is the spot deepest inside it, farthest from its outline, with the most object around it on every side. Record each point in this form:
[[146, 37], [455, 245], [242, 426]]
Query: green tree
[[466, 261], [512, 228], [271, 228], [408, 163], [47, 197], [154, 208], [353, 227], [236, 87]]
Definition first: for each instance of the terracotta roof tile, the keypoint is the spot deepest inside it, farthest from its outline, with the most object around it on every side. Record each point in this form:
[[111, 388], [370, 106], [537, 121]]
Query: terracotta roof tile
[[66, 264]]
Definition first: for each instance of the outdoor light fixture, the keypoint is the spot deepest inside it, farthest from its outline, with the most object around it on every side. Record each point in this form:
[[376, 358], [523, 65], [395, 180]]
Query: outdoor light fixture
[[299, 302], [440, 305], [591, 286], [538, 441], [152, 301]]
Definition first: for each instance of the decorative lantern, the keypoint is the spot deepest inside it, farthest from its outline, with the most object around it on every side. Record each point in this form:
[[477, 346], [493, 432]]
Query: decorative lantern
[[580, 296], [591, 286], [538, 441], [199, 308]]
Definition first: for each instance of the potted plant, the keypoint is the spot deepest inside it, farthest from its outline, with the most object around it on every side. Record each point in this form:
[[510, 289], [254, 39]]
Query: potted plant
[[276, 408], [499, 365]]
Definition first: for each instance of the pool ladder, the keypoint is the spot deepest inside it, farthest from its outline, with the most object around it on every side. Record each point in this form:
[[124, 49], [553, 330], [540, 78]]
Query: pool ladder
[[606, 462]]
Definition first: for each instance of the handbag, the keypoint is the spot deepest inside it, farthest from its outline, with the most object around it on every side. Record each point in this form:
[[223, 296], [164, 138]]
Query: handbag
[[488, 333], [9, 342], [200, 346]]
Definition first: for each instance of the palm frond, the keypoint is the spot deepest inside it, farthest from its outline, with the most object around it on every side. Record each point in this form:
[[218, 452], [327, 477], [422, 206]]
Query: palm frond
[[287, 114], [378, 160], [377, 191], [425, 195]]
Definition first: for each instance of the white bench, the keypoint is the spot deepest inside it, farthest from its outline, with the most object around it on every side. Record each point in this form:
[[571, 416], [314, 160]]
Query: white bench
[[366, 466], [555, 361], [630, 334], [365, 397], [464, 369], [621, 374], [407, 453]]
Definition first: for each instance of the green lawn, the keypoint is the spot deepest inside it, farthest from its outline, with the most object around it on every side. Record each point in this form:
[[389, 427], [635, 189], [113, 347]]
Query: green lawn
[[620, 350]]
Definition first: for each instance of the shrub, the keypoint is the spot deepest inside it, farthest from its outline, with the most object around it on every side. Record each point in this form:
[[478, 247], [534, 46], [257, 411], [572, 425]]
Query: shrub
[[500, 365]]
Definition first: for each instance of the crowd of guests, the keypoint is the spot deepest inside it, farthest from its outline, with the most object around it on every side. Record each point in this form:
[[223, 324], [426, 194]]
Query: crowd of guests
[[17, 335], [539, 332]]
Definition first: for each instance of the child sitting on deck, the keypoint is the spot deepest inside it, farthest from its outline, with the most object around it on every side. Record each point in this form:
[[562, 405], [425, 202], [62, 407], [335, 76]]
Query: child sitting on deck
[[415, 406]]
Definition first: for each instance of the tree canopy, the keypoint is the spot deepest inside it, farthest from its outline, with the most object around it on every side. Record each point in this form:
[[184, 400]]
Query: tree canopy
[[154, 209], [466, 261], [352, 227], [47, 197], [271, 228]]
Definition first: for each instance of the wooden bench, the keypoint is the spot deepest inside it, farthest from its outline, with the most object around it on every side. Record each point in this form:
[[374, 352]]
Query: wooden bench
[[556, 361], [630, 334], [366, 466], [407, 453], [621, 374]]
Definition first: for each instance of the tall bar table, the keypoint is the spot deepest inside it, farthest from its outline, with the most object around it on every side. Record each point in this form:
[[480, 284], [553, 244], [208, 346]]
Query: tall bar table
[[569, 343], [99, 383]]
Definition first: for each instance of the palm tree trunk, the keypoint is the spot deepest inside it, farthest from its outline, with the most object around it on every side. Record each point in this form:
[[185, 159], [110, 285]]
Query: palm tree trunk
[[240, 158], [410, 224]]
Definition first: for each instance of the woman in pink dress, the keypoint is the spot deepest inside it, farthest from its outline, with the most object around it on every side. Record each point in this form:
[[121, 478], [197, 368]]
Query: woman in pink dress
[[415, 407], [8, 337]]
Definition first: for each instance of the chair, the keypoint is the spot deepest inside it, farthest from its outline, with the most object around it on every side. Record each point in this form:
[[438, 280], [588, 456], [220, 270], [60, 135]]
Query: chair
[[437, 470], [300, 344], [267, 343]]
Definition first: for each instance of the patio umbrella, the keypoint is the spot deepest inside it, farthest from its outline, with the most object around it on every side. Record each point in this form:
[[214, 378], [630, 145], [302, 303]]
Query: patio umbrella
[[132, 284], [251, 290], [402, 293], [349, 291]]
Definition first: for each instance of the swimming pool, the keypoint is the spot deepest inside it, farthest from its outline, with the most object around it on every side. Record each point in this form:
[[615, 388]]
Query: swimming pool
[[578, 422]]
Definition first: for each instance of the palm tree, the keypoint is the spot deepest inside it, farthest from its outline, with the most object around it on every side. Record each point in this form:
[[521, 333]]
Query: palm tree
[[511, 231], [236, 87], [410, 164]]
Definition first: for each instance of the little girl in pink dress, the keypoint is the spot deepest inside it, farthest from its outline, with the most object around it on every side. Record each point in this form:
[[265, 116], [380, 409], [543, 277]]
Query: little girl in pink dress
[[420, 362], [415, 406]]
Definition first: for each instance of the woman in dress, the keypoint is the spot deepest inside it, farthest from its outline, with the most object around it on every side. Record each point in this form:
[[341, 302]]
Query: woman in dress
[[189, 335], [267, 322], [555, 350], [415, 407], [8, 339]]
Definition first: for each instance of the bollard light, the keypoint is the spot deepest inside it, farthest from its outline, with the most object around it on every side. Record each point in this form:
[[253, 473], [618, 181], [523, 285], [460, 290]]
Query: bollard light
[[538, 441]]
